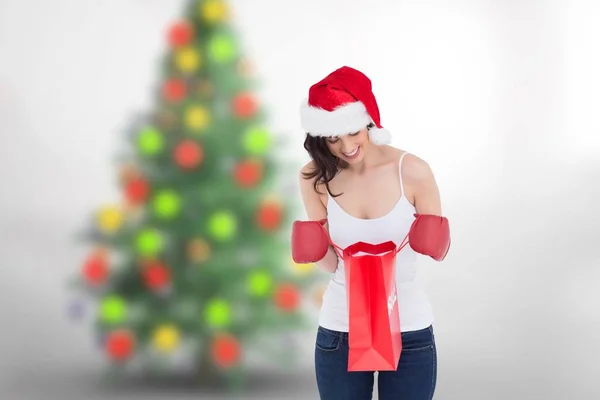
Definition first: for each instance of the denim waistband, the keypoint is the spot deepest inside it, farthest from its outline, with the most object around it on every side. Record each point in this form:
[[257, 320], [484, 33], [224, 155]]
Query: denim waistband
[[344, 335], [334, 333]]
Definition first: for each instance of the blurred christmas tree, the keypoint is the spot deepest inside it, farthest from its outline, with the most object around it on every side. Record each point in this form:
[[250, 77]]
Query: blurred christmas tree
[[196, 256]]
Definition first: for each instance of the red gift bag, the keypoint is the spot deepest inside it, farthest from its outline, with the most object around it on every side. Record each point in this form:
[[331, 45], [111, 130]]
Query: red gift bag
[[374, 336], [374, 324]]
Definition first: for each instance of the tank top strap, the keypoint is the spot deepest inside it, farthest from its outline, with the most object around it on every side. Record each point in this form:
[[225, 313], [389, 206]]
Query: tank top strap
[[400, 173]]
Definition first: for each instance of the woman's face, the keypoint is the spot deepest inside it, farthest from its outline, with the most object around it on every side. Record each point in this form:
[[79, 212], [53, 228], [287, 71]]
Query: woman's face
[[350, 147]]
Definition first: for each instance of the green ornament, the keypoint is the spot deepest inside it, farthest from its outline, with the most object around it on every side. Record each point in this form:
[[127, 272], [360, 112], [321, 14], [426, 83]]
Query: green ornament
[[150, 141], [259, 283], [217, 313], [113, 310], [167, 204], [222, 225], [222, 49], [257, 141], [148, 242]]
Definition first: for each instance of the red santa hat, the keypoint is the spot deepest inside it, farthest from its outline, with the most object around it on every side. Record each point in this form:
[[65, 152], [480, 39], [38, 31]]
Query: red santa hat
[[342, 103]]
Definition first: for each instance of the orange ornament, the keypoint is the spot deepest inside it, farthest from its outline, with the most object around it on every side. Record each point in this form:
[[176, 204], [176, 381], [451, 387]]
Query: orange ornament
[[156, 275], [95, 269], [128, 172], [287, 297], [198, 250], [245, 105], [248, 173], [188, 154], [269, 215], [226, 350], [174, 90], [120, 344]]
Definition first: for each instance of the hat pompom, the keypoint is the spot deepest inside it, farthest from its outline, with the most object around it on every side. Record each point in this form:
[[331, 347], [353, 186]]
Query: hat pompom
[[380, 136]]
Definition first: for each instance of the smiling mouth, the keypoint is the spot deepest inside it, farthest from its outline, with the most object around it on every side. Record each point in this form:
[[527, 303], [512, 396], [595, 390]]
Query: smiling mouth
[[352, 154]]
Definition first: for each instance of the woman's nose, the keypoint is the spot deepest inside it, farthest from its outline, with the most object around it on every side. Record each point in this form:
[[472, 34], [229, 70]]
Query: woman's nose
[[347, 144]]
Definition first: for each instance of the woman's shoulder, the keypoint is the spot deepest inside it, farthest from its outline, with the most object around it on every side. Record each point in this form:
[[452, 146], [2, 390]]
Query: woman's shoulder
[[309, 177], [308, 167], [308, 173], [414, 167]]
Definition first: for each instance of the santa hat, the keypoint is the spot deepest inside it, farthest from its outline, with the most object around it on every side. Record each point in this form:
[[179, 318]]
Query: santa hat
[[342, 103]]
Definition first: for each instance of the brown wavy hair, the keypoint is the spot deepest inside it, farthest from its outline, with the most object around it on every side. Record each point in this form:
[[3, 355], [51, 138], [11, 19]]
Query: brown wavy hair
[[327, 166]]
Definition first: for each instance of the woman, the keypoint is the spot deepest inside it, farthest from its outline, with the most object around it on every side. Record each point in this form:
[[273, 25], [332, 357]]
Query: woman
[[368, 191]]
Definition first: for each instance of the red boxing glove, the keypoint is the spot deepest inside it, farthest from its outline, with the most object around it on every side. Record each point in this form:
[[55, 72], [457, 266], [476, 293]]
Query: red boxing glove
[[430, 235], [310, 241]]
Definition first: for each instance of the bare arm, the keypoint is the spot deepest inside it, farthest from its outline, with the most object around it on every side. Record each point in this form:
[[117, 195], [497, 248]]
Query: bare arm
[[424, 186], [430, 234], [315, 211]]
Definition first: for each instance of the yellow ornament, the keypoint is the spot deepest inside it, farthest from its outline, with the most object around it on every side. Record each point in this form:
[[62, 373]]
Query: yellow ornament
[[214, 11], [166, 338], [198, 250], [109, 219], [303, 269], [197, 118], [187, 59]]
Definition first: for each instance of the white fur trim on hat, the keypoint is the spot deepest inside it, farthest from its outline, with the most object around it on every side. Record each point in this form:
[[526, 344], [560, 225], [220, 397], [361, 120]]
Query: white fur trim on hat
[[348, 118], [380, 136]]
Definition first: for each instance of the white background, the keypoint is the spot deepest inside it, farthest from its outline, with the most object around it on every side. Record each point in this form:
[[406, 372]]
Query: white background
[[500, 97]]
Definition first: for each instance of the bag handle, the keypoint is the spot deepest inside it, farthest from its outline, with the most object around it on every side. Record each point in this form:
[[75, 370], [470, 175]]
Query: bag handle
[[402, 244], [339, 251]]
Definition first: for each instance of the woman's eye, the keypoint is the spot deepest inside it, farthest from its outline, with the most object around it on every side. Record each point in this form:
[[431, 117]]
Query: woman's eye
[[355, 133], [333, 140]]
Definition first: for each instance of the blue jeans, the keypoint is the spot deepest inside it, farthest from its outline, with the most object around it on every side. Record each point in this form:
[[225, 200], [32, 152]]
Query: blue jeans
[[415, 378]]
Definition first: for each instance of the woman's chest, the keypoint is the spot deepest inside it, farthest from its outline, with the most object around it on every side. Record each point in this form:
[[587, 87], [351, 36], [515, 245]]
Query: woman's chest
[[345, 229], [366, 197]]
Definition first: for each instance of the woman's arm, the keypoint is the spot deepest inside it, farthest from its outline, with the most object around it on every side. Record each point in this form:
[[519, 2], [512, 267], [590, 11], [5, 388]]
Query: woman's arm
[[430, 233], [423, 186], [315, 211]]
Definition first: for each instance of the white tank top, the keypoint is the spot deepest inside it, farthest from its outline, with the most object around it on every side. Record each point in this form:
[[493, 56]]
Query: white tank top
[[344, 229]]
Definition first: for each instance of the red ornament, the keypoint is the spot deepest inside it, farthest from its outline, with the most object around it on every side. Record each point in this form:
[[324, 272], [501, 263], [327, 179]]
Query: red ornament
[[156, 275], [180, 33], [245, 105], [95, 268], [188, 154], [269, 215], [248, 173], [136, 191], [287, 297], [226, 350], [174, 90], [120, 344]]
